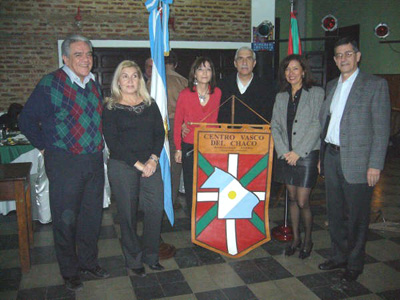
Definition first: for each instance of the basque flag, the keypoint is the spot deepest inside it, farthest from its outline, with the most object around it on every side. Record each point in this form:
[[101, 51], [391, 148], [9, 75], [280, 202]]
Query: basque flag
[[294, 38], [159, 44], [234, 200]]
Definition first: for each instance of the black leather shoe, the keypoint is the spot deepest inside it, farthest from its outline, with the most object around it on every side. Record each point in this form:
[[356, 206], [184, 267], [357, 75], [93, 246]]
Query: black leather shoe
[[350, 275], [290, 250], [305, 253], [97, 272], [331, 265], [139, 272], [73, 283], [156, 267]]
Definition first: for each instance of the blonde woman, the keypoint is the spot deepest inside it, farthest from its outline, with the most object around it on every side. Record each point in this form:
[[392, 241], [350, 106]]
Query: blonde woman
[[134, 133]]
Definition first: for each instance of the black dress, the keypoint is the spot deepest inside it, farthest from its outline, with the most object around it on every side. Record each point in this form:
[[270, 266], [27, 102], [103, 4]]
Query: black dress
[[305, 173]]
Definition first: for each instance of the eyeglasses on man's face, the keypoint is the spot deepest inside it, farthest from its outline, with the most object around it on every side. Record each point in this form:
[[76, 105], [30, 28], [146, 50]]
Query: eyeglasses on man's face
[[347, 54]]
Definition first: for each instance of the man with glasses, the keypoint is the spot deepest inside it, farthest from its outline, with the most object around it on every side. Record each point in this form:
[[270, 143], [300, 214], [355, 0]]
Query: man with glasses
[[355, 117], [62, 118], [255, 92]]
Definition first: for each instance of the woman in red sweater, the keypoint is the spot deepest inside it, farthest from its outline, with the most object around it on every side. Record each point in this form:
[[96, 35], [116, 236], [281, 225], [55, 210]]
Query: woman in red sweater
[[199, 102]]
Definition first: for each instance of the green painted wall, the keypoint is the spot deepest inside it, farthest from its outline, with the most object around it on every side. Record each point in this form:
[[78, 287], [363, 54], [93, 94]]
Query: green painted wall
[[377, 58]]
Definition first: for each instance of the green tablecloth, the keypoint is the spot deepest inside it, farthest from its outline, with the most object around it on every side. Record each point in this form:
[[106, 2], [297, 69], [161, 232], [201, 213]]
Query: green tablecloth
[[9, 153]]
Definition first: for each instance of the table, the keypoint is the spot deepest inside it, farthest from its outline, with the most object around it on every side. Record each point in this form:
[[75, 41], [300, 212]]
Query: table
[[9, 153], [38, 178], [39, 181], [15, 184]]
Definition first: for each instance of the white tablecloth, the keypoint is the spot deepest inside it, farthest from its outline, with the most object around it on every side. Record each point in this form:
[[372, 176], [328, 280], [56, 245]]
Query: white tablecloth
[[40, 188]]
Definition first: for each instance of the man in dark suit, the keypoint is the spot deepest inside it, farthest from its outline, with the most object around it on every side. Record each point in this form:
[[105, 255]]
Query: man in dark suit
[[355, 117], [175, 84], [255, 92]]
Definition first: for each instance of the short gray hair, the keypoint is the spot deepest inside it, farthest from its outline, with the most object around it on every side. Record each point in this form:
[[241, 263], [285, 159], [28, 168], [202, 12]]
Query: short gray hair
[[245, 48], [66, 44]]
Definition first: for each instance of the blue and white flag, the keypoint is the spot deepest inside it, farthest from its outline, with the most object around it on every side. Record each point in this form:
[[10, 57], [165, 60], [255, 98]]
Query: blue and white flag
[[234, 200], [159, 44]]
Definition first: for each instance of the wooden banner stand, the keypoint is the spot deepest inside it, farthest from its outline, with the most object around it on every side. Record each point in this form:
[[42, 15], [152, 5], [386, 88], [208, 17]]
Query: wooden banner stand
[[231, 187]]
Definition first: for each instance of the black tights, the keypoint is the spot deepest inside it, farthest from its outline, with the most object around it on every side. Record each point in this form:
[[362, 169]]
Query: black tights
[[300, 202]]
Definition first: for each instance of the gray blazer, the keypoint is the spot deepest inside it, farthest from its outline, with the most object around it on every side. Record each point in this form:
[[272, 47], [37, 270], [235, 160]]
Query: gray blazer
[[364, 127], [306, 127]]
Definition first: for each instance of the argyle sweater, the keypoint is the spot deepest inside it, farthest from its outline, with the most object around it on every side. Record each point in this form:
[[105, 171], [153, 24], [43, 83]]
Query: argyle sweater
[[62, 116]]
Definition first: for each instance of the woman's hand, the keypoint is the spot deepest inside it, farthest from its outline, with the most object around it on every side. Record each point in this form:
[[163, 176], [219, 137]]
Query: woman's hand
[[178, 156], [138, 165], [149, 168], [291, 158]]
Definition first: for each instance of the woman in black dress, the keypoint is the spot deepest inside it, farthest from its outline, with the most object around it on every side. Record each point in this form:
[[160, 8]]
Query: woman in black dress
[[134, 132], [296, 131]]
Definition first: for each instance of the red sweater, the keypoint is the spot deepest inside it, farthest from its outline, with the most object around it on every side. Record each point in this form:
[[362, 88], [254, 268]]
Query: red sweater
[[189, 109]]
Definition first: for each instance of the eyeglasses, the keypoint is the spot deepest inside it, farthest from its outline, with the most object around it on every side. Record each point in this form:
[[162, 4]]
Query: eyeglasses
[[347, 54]]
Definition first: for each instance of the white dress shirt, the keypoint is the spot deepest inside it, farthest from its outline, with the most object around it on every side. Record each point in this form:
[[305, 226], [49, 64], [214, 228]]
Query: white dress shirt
[[75, 78], [337, 107], [242, 88]]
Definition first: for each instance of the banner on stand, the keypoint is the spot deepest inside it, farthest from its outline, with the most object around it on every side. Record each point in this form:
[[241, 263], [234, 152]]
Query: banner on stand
[[231, 187]]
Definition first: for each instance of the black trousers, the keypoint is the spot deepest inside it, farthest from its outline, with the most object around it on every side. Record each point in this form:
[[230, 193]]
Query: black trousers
[[349, 208], [187, 165], [128, 186], [76, 185]]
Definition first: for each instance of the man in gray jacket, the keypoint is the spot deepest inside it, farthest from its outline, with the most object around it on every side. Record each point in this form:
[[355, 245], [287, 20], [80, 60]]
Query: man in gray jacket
[[355, 117]]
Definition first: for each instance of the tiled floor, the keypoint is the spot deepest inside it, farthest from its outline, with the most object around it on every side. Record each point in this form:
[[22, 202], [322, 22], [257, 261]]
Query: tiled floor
[[197, 273]]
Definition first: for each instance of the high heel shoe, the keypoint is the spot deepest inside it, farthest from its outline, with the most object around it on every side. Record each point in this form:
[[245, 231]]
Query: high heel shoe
[[290, 250], [306, 253]]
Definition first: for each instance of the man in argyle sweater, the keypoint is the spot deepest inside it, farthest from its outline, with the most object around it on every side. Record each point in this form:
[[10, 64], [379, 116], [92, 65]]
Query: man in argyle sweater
[[62, 118]]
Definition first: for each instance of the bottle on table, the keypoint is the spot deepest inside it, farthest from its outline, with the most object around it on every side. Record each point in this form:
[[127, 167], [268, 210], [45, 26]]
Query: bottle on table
[[3, 134]]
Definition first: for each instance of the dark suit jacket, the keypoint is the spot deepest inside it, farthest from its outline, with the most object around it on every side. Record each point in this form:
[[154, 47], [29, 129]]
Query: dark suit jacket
[[259, 95], [364, 127]]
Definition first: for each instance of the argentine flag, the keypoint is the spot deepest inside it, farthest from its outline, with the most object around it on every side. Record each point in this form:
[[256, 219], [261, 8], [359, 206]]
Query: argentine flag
[[159, 44], [234, 200]]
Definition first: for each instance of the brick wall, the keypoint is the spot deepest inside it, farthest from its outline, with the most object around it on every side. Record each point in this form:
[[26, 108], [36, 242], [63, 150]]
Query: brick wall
[[29, 30]]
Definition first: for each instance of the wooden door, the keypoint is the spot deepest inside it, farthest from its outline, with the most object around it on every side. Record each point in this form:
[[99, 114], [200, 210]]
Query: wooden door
[[105, 60], [317, 62]]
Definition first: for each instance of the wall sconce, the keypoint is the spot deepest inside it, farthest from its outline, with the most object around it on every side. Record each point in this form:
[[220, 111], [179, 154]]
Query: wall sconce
[[78, 18], [382, 30], [329, 23]]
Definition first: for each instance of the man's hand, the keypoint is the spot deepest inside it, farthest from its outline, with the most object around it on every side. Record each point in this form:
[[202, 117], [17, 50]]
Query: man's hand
[[185, 130], [373, 176], [178, 156]]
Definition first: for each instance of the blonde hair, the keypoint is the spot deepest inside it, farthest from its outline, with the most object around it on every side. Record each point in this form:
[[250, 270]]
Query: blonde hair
[[116, 95]]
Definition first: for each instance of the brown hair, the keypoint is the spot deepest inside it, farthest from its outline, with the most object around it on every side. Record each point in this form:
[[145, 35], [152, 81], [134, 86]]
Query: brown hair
[[200, 61], [307, 79]]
